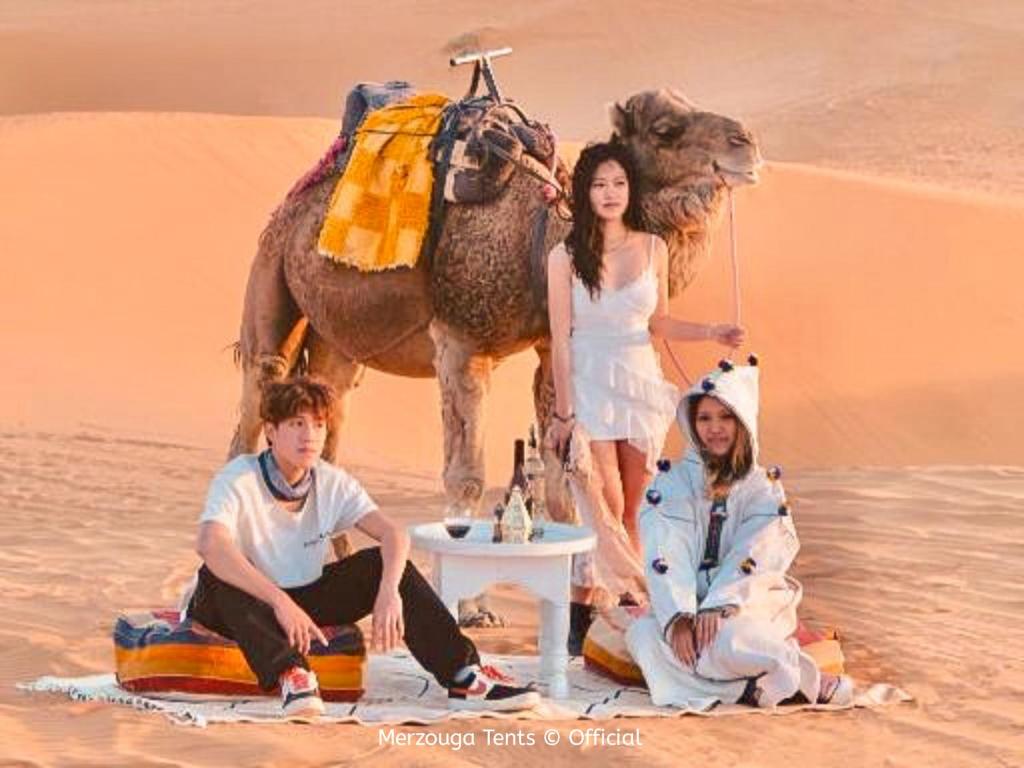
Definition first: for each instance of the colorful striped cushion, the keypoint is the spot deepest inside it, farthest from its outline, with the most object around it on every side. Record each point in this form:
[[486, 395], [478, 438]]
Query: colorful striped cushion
[[605, 651], [154, 652], [604, 647]]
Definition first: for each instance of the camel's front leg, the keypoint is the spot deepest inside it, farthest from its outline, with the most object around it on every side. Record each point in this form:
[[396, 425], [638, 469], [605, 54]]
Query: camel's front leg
[[465, 378], [341, 373], [556, 490], [271, 339]]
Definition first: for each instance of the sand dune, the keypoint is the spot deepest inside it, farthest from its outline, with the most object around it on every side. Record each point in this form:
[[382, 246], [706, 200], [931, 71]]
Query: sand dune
[[880, 270], [923, 89], [920, 569], [886, 314]]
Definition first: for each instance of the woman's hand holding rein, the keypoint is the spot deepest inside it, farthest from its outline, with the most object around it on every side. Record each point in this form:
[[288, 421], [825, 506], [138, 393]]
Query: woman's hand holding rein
[[726, 334]]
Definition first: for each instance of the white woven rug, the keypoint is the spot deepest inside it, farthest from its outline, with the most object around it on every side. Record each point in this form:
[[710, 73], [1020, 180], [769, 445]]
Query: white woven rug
[[399, 691]]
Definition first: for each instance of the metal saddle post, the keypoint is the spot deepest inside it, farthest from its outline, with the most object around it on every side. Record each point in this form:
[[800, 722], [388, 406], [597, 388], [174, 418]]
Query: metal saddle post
[[481, 61]]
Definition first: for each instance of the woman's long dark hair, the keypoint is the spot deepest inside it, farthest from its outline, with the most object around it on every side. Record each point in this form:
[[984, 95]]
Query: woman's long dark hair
[[722, 471], [585, 242]]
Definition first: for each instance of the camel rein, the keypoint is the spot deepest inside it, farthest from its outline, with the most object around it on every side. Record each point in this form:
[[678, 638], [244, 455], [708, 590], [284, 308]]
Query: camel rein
[[736, 305]]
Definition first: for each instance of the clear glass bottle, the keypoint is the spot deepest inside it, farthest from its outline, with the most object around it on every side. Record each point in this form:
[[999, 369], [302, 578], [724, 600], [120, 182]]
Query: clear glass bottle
[[515, 523]]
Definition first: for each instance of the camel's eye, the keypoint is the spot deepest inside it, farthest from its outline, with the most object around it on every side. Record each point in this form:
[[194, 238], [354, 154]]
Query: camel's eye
[[667, 132]]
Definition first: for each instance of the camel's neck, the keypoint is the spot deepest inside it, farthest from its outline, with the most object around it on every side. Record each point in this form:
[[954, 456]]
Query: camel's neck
[[685, 217]]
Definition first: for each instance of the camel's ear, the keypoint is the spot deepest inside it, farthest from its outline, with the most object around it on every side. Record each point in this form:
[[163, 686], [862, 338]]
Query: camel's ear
[[676, 95], [622, 119]]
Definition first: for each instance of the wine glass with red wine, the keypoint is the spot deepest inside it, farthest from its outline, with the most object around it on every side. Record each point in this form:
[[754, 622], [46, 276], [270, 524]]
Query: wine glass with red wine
[[458, 521]]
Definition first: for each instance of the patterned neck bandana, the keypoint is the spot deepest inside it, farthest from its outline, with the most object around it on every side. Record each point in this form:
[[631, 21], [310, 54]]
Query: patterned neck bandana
[[280, 488]]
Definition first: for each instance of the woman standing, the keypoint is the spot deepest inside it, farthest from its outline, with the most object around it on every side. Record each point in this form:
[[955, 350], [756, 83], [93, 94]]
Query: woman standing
[[607, 296]]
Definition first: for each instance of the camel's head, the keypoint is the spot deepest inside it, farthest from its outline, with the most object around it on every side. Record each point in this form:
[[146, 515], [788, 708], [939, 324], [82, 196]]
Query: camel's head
[[686, 160], [673, 143]]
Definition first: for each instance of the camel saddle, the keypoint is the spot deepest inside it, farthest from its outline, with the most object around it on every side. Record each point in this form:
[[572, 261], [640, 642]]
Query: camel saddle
[[483, 144], [472, 147], [479, 146]]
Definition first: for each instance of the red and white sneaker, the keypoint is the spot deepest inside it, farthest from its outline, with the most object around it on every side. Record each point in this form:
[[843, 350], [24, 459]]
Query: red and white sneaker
[[300, 693], [489, 689]]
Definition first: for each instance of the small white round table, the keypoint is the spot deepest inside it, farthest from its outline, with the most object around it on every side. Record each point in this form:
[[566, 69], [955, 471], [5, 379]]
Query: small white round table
[[465, 567]]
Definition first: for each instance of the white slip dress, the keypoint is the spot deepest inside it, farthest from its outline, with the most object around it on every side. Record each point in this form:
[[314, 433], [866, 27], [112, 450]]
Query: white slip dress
[[619, 390]]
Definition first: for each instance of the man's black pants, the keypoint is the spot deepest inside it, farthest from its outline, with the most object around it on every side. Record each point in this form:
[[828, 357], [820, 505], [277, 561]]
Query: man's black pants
[[344, 594]]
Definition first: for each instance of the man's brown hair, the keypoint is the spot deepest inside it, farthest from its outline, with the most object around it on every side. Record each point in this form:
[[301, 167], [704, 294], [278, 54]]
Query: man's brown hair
[[290, 397]]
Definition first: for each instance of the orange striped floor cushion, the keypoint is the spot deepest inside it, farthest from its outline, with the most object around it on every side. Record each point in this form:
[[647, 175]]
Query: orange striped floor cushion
[[605, 651], [604, 648], [156, 653]]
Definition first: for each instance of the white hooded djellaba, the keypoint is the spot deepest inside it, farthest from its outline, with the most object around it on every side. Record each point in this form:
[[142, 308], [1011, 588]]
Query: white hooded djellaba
[[747, 575]]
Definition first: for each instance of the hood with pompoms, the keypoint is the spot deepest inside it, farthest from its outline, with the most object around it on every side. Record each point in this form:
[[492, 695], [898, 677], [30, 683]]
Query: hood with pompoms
[[737, 386]]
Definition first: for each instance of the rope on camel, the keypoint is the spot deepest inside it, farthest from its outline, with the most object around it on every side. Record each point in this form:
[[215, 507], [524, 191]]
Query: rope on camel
[[735, 289]]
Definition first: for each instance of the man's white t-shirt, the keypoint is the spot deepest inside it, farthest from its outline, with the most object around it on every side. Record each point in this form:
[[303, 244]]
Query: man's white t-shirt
[[287, 547]]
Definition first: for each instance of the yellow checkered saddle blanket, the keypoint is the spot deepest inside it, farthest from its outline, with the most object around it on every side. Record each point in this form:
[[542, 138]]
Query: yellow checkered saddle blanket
[[379, 211], [383, 207]]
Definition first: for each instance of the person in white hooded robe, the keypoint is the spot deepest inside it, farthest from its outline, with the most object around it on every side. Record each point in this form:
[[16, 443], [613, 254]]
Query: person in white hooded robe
[[718, 540]]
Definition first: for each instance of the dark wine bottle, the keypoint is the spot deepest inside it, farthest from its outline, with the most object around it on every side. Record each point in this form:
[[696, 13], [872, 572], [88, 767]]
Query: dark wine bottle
[[518, 472], [499, 512]]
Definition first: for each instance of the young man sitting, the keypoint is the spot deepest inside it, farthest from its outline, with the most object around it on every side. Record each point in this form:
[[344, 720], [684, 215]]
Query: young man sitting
[[263, 536]]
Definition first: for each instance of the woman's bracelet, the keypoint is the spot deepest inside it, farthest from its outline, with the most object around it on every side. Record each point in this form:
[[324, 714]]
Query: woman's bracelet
[[564, 419]]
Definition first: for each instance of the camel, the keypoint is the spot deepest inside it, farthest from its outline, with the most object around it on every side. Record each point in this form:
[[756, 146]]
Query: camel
[[478, 301]]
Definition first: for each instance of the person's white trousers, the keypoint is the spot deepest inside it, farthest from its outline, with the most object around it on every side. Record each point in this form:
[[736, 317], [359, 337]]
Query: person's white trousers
[[744, 648]]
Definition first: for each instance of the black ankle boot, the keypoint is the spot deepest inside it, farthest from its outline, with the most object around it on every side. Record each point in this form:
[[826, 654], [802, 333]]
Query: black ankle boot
[[581, 616]]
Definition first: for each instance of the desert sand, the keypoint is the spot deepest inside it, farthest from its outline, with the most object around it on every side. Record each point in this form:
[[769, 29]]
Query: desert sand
[[143, 147]]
